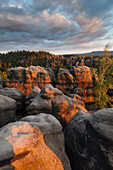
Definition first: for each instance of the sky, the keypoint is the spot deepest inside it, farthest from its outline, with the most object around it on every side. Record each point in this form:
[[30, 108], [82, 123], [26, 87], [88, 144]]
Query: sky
[[57, 26]]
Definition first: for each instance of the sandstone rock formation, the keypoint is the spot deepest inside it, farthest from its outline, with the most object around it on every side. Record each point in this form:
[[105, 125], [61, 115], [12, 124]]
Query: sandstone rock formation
[[83, 79], [65, 81], [52, 101], [36, 90], [8, 108], [24, 79], [16, 95], [89, 140], [22, 147], [53, 135], [78, 98]]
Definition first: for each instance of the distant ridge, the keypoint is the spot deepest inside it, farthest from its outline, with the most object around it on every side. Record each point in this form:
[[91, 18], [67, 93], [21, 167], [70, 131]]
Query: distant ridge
[[94, 53]]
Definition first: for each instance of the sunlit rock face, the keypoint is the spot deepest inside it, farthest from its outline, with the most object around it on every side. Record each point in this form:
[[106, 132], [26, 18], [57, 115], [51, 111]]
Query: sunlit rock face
[[8, 108], [22, 147], [52, 101], [65, 81], [83, 79], [15, 94], [53, 135], [24, 79], [89, 140]]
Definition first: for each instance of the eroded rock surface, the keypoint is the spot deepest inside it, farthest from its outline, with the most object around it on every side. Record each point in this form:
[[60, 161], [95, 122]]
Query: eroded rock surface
[[8, 108], [53, 135], [22, 147], [52, 101], [36, 90], [15, 94], [24, 79], [89, 140], [83, 79]]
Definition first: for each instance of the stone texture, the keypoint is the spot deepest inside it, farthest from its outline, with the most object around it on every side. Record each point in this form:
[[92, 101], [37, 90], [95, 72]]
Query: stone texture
[[22, 147], [52, 101], [16, 95], [83, 79], [24, 79], [64, 81], [78, 91], [1, 81], [89, 140], [78, 98], [53, 135], [36, 90], [8, 108]]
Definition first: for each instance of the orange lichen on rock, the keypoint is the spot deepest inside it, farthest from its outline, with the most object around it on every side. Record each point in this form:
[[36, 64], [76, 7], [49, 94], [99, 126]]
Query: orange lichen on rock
[[30, 150]]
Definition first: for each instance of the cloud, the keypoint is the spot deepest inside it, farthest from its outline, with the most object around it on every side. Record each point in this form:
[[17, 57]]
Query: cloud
[[54, 24]]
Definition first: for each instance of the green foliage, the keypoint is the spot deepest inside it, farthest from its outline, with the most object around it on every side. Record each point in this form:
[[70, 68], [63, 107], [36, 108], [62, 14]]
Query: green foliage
[[104, 80]]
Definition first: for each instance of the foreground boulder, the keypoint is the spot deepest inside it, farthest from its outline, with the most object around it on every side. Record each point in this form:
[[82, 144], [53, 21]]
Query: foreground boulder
[[16, 95], [22, 147], [8, 108], [52, 101], [53, 135], [24, 79], [89, 140]]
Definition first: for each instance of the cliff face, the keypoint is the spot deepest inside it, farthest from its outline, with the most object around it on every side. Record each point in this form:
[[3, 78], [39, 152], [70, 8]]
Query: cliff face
[[24, 79]]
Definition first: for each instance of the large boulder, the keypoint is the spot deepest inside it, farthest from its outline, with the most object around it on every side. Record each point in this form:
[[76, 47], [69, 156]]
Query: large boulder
[[22, 147], [83, 79], [52, 101], [65, 81], [53, 135], [15, 94], [89, 140], [24, 79], [8, 108]]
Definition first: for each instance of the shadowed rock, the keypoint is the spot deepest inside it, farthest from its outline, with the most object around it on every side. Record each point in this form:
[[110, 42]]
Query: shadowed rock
[[89, 140], [16, 95], [8, 108]]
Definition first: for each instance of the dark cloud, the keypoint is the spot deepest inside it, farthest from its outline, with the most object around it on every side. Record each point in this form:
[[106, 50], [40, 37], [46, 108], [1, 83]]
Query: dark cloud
[[54, 24]]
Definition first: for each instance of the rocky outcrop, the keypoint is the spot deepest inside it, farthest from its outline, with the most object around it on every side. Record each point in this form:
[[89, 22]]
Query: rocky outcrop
[[65, 81], [16, 95], [89, 140], [53, 135], [83, 79], [24, 79], [52, 101], [8, 108], [78, 98], [36, 90], [22, 147]]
